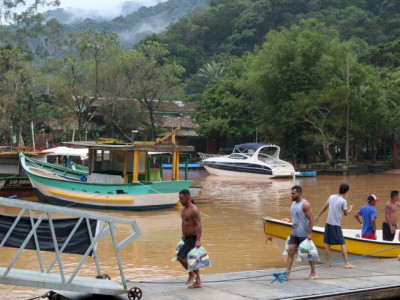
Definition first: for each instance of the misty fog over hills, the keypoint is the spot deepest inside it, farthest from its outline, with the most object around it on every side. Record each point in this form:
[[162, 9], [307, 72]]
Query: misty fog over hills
[[134, 21]]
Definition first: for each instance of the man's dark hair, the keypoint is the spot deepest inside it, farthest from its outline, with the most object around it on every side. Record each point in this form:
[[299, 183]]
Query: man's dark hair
[[298, 189], [393, 194], [344, 188], [185, 192]]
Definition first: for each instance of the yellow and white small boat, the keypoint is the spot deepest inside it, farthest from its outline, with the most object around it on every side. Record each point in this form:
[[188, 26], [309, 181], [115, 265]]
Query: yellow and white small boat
[[280, 230]]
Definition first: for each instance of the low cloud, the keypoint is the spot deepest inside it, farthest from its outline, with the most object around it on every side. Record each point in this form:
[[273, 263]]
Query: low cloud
[[104, 9], [158, 24]]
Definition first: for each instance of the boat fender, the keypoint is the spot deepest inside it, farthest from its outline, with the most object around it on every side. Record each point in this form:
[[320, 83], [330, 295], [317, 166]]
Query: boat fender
[[287, 220]]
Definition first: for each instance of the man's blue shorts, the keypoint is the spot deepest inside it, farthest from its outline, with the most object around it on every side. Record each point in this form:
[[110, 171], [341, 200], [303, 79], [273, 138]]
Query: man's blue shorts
[[333, 235]]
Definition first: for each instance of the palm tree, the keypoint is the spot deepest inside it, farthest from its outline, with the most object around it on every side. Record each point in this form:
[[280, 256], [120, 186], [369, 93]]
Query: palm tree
[[212, 71]]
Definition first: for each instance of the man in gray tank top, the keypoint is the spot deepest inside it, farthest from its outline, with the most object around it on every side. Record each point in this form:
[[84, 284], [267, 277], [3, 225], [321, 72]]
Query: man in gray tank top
[[302, 224], [333, 234]]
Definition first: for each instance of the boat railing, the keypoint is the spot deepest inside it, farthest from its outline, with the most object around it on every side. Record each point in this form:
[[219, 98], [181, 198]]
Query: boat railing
[[204, 156], [37, 216]]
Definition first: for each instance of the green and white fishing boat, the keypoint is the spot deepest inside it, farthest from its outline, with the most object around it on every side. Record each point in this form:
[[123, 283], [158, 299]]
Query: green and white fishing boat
[[119, 177]]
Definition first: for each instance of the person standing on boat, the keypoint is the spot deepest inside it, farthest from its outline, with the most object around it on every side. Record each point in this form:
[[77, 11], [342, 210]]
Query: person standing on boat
[[333, 234], [191, 234], [368, 214], [302, 224], [389, 224]]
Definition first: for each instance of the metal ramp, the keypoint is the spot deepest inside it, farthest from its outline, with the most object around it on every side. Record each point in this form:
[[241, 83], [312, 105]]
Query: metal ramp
[[44, 278]]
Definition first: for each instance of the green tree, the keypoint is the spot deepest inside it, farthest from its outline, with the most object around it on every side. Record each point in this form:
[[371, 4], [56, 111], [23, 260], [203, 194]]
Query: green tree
[[97, 47], [211, 71], [14, 79], [224, 113], [150, 79], [299, 76]]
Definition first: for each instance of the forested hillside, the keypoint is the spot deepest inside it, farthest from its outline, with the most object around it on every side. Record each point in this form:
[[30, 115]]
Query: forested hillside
[[284, 68], [299, 73], [134, 26]]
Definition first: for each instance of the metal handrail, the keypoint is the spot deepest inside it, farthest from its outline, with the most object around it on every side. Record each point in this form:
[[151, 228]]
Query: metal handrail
[[45, 210], [204, 156]]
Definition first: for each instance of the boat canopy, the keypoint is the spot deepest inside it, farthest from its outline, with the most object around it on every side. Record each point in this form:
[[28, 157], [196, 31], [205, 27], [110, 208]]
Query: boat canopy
[[252, 146], [83, 153]]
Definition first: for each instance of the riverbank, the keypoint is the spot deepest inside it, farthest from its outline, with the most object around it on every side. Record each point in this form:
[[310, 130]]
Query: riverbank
[[342, 169], [370, 279]]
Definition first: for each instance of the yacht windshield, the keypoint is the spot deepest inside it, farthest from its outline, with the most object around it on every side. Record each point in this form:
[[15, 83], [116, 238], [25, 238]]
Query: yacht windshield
[[267, 153]]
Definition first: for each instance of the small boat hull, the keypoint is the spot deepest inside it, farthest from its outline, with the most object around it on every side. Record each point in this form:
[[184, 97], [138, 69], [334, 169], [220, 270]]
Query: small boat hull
[[355, 245], [137, 203], [250, 173], [18, 186]]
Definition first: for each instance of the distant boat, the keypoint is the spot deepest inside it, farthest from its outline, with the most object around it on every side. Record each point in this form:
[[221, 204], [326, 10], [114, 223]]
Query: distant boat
[[306, 174], [119, 178], [182, 166], [250, 160], [279, 230]]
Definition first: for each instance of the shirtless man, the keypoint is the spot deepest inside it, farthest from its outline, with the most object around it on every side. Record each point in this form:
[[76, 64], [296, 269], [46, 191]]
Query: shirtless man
[[191, 234], [389, 224]]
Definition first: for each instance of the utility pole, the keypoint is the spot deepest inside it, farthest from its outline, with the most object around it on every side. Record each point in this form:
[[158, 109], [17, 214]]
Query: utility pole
[[347, 107], [33, 136]]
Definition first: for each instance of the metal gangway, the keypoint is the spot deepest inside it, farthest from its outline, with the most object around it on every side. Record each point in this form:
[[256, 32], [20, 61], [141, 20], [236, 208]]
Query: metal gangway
[[49, 278]]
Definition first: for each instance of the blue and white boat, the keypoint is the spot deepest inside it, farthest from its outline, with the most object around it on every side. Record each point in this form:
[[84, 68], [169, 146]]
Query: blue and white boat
[[249, 160]]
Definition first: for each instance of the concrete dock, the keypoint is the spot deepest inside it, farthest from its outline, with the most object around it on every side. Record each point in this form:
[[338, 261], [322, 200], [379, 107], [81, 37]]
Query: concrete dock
[[371, 278]]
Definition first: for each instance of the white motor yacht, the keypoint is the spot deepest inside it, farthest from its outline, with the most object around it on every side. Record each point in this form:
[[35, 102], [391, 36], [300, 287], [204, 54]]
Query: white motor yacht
[[253, 160]]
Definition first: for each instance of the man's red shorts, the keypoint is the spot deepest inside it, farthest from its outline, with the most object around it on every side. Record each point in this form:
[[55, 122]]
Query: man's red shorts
[[370, 236]]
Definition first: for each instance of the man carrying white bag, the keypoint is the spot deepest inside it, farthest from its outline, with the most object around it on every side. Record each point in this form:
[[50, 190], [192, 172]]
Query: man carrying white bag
[[191, 255], [301, 235]]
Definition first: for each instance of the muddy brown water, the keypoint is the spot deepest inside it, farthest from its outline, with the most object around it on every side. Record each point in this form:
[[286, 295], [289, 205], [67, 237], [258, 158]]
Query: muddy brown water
[[232, 227]]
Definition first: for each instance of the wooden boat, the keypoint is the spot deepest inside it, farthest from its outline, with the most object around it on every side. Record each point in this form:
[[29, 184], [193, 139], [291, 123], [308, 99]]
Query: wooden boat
[[16, 186], [279, 230], [14, 181], [119, 178]]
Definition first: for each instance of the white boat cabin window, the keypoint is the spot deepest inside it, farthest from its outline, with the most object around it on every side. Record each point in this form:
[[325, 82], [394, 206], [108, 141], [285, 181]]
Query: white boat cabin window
[[238, 156]]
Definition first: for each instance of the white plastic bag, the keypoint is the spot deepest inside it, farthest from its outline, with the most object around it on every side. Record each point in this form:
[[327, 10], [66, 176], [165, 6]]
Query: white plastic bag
[[198, 258], [177, 248], [285, 252], [307, 251]]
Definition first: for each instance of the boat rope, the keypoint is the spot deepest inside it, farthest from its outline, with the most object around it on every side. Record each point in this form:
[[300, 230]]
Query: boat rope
[[278, 276], [45, 295], [149, 187]]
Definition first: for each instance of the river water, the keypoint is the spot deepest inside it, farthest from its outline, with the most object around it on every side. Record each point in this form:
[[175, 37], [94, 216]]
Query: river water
[[232, 227]]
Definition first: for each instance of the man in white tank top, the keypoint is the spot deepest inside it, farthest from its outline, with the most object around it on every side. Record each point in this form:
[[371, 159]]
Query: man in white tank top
[[333, 234], [302, 224]]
